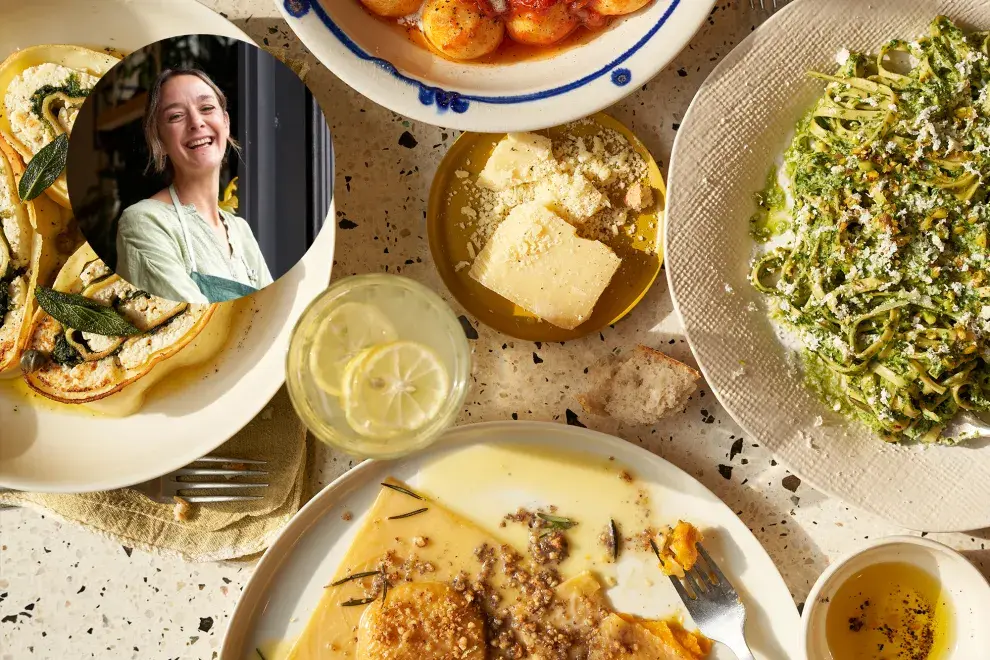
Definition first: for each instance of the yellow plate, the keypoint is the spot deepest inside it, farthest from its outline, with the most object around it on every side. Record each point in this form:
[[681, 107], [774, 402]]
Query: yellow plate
[[450, 230]]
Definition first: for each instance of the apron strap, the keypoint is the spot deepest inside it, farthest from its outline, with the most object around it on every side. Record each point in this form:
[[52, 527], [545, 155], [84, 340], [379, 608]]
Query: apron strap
[[182, 224]]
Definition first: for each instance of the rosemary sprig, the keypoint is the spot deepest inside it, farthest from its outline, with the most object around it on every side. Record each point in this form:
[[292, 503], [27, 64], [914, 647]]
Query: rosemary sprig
[[404, 491], [355, 576], [613, 532], [384, 589], [260, 654], [410, 514], [357, 601]]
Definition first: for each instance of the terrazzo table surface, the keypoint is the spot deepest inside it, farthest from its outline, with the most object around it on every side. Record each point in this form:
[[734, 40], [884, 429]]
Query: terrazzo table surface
[[65, 593]]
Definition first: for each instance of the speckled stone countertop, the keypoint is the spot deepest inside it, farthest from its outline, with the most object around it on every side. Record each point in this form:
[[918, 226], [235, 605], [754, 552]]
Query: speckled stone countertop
[[65, 593]]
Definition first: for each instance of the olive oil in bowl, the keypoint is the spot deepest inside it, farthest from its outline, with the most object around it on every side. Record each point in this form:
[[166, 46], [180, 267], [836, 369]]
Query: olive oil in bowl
[[890, 611]]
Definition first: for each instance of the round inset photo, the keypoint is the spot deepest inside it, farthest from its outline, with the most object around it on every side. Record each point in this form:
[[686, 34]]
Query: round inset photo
[[200, 169]]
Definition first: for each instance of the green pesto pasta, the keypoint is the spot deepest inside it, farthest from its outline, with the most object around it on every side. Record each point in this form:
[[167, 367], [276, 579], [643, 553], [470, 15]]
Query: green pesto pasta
[[879, 221]]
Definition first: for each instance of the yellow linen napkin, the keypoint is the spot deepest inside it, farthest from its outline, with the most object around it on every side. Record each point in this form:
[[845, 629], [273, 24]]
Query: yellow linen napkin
[[211, 532]]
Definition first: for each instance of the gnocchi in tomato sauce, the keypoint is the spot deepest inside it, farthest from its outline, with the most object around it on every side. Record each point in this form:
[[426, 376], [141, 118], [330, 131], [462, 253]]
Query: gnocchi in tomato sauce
[[474, 29]]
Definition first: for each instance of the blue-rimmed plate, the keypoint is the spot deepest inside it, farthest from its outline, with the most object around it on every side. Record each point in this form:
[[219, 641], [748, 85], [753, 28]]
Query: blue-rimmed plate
[[390, 69]]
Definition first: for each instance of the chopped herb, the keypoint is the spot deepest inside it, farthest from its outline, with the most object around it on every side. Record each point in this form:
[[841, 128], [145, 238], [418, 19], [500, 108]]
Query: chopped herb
[[355, 576], [134, 295], [70, 88], [556, 522], [384, 590], [260, 654], [404, 491], [410, 514], [5, 281], [357, 601], [65, 353]]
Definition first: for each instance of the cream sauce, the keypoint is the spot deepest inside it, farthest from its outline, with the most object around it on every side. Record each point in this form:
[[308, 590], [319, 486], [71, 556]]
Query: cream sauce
[[586, 489]]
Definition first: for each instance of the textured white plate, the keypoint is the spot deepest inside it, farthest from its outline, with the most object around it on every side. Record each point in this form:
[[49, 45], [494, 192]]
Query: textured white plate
[[739, 122], [45, 449], [289, 579], [371, 57]]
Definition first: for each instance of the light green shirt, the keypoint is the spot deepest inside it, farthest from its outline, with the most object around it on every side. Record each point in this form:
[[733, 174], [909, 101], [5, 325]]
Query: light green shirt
[[153, 255]]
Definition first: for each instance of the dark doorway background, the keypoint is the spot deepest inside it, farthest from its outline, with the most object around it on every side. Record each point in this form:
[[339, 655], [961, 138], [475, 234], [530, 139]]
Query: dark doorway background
[[284, 172]]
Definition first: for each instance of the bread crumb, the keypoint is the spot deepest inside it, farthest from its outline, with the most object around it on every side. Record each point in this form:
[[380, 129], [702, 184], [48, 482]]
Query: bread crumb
[[180, 512], [346, 516]]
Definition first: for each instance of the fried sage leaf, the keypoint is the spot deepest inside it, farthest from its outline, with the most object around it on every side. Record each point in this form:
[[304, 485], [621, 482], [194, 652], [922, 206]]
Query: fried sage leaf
[[46, 166], [81, 313]]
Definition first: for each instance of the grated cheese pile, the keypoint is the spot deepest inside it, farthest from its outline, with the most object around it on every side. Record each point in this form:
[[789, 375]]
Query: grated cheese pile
[[596, 184]]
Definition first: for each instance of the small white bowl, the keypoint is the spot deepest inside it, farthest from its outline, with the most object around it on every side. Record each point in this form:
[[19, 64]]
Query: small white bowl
[[968, 590], [370, 56]]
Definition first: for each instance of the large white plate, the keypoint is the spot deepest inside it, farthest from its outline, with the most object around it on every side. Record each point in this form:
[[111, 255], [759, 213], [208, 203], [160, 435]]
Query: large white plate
[[737, 125], [42, 448], [289, 579], [388, 68]]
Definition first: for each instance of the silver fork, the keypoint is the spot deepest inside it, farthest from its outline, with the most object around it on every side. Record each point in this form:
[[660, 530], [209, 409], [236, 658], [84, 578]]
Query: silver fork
[[164, 488], [768, 5], [714, 605]]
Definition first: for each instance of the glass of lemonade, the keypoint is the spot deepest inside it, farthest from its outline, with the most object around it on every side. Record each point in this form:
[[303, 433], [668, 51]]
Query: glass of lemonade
[[378, 366]]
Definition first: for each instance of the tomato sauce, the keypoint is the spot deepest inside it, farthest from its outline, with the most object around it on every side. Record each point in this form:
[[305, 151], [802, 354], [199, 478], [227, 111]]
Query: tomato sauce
[[509, 52]]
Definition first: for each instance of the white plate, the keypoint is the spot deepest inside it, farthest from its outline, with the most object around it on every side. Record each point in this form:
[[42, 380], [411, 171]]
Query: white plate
[[368, 55], [737, 125], [289, 579], [49, 450]]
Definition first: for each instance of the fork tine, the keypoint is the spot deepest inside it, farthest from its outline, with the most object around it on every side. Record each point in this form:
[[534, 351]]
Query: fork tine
[[205, 485], [713, 567], [698, 589], [706, 581], [681, 591], [203, 499], [220, 459], [209, 472]]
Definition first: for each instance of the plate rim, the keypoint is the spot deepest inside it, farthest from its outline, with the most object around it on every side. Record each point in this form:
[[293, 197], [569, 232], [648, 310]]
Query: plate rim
[[321, 504], [424, 102], [320, 252], [714, 77]]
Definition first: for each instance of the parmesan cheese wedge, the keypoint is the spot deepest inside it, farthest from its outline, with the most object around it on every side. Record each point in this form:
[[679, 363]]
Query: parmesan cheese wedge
[[519, 158], [536, 260]]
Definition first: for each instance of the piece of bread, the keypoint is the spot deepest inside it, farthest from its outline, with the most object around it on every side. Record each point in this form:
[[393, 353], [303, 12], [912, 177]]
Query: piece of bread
[[640, 388]]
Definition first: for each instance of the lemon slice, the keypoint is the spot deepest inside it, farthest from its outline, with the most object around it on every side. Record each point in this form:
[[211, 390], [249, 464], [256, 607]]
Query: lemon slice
[[343, 334], [393, 389]]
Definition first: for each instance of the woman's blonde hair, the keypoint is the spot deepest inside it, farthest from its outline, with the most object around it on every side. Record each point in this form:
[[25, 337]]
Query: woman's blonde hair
[[157, 158]]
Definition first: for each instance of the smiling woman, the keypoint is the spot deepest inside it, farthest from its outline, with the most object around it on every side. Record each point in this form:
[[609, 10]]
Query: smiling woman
[[165, 193], [187, 129]]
